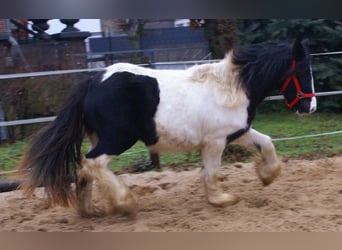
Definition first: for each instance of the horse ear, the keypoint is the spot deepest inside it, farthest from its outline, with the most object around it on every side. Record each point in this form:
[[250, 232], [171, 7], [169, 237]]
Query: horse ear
[[298, 50]]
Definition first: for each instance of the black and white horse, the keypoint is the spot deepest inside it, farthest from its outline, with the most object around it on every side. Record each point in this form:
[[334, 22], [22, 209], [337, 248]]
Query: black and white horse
[[201, 108]]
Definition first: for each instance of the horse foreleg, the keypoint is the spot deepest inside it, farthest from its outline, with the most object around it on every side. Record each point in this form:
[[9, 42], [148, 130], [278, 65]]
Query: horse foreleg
[[211, 159], [111, 187], [268, 166]]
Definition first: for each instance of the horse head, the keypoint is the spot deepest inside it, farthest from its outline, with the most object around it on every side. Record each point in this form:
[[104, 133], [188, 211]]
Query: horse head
[[298, 87]]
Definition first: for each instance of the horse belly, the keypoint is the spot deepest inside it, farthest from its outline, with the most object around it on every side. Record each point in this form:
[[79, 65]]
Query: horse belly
[[176, 141], [192, 132], [178, 118], [188, 117]]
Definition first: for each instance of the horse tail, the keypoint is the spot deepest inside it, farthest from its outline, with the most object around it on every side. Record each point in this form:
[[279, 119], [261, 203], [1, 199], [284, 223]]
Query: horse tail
[[53, 156]]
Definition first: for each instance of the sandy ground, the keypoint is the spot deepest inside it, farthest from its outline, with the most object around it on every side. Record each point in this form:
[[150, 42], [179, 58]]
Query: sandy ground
[[306, 197]]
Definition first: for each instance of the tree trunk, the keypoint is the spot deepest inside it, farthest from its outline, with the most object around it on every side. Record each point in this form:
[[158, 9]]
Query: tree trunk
[[221, 35]]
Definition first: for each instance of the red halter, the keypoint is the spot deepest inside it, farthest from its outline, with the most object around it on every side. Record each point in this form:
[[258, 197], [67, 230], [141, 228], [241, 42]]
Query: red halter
[[300, 93]]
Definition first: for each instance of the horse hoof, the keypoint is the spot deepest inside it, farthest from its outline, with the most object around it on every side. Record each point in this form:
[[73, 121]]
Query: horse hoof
[[128, 210], [127, 206], [91, 212], [270, 178], [223, 200]]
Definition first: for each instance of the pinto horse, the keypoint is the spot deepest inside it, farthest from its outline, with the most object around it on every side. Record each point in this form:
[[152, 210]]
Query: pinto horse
[[201, 108]]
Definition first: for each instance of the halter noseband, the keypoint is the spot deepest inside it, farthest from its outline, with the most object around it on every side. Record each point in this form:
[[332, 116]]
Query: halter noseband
[[300, 94]]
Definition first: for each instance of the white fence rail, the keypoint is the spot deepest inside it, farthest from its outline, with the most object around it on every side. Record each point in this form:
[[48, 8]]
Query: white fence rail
[[27, 121], [306, 136]]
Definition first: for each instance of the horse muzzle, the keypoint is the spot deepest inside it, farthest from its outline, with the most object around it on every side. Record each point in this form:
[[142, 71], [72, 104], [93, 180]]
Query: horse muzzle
[[306, 106]]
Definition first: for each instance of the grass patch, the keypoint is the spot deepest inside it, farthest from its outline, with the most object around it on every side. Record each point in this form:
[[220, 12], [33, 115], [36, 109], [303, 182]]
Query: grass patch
[[139, 155], [288, 125], [276, 125], [10, 155]]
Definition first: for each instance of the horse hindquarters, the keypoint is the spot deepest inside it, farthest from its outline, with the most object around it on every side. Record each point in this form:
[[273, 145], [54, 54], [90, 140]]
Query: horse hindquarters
[[120, 111]]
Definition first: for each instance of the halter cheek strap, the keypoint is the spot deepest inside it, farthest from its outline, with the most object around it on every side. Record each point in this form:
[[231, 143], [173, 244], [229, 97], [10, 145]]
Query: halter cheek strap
[[300, 94]]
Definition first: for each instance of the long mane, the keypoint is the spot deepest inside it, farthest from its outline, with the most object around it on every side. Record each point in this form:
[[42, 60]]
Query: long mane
[[262, 65]]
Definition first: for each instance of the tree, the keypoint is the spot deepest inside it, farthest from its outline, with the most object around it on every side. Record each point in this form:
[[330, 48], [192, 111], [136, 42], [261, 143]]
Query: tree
[[134, 29], [221, 34]]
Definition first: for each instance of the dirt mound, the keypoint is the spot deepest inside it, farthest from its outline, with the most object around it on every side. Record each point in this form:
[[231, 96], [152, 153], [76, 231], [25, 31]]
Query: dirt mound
[[306, 197]]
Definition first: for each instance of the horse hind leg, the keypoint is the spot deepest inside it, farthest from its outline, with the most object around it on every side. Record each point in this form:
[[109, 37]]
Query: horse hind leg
[[84, 191], [113, 190], [211, 158], [96, 170], [84, 186]]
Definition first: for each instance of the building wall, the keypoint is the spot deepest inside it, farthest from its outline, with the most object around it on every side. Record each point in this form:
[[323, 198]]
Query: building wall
[[153, 45]]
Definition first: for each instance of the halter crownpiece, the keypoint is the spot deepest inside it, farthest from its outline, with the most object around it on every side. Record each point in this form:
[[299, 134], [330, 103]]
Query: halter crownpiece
[[300, 94]]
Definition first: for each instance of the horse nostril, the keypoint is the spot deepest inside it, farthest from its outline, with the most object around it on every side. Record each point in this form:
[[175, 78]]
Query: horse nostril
[[313, 109]]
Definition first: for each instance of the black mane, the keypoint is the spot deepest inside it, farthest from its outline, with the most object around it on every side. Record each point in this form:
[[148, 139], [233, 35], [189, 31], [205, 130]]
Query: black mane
[[263, 68], [266, 65]]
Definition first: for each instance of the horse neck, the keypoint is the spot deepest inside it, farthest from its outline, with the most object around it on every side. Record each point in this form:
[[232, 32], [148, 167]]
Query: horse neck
[[263, 82]]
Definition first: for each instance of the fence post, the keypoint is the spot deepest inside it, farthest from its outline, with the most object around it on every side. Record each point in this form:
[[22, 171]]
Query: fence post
[[155, 159], [3, 130]]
